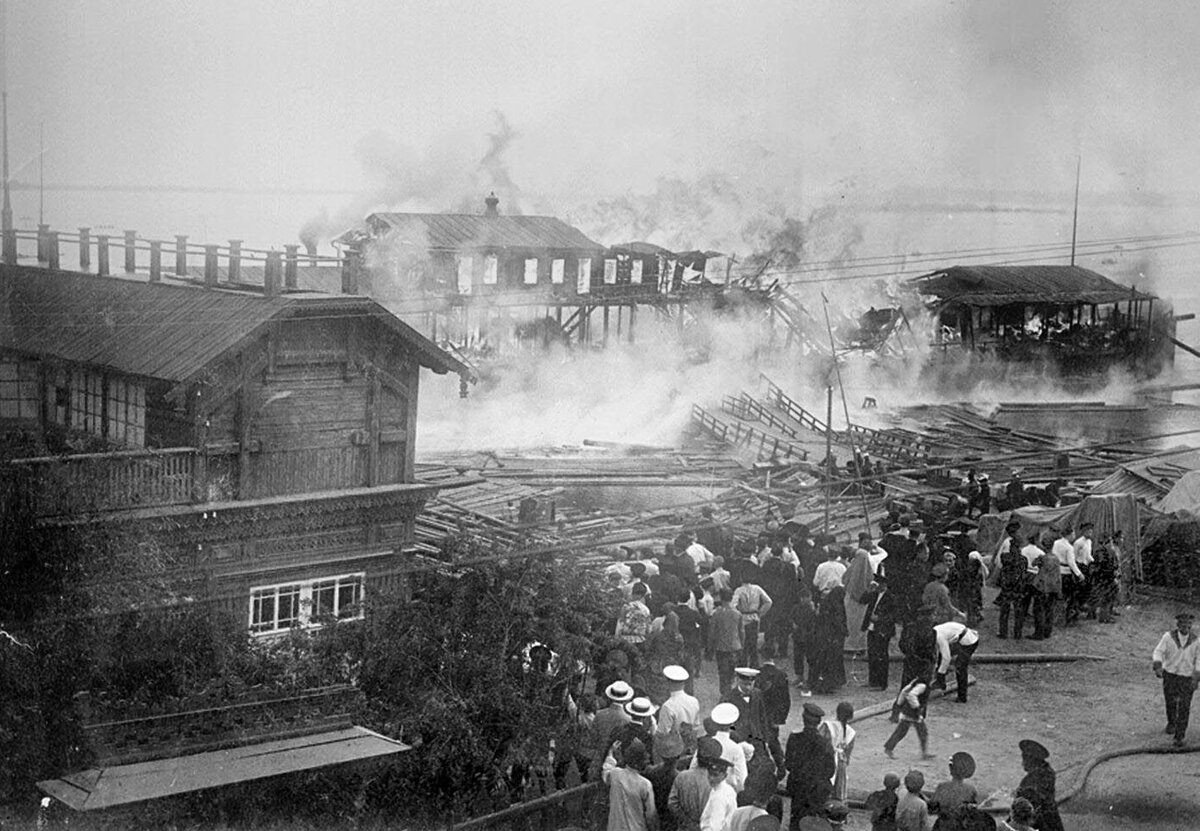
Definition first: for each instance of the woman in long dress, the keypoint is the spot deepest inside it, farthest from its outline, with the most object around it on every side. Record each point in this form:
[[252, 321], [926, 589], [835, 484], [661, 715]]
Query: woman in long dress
[[857, 581], [841, 736]]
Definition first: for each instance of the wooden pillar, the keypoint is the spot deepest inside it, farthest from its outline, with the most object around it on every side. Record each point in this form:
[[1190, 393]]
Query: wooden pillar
[[52, 249], [85, 249], [130, 252], [290, 261], [632, 318], [272, 274], [155, 261], [211, 274], [244, 419], [235, 260], [180, 255], [102, 254], [10, 246], [412, 380], [374, 404], [605, 326]]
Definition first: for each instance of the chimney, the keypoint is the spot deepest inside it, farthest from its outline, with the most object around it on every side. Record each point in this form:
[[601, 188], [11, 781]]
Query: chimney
[[493, 205]]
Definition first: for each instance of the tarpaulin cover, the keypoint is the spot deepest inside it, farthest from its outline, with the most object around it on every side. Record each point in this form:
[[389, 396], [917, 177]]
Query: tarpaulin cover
[[1185, 496], [1107, 512]]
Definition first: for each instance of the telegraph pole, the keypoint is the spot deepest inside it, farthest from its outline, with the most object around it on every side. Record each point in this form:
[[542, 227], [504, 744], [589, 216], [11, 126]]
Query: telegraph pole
[[6, 220]]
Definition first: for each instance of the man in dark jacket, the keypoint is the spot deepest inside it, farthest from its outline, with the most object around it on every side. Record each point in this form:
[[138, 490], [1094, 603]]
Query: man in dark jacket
[[879, 622], [1038, 786], [810, 767]]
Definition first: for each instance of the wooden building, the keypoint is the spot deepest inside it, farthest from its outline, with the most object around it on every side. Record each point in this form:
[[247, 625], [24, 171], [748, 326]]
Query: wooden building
[[264, 435], [1066, 316], [490, 281]]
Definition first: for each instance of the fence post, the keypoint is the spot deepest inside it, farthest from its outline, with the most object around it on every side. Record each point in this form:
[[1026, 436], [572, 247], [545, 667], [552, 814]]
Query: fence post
[[52, 249], [42, 231], [85, 249], [290, 261], [235, 260], [271, 273], [180, 255], [155, 260], [102, 255], [10, 246], [211, 275], [130, 252]]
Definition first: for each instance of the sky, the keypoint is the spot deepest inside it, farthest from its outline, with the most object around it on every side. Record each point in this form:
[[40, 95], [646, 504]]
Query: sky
[[358, 104]]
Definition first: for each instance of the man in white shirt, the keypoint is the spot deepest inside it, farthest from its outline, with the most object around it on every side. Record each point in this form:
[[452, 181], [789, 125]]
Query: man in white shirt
[[829, 573], [1072, 577], [753, 603], [678, 717], [724, 716], [701, 556], [958, 641], [1177, 662], [1083, 560], [722, 797]]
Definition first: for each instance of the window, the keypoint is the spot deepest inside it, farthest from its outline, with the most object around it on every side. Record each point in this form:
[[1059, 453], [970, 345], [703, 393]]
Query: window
[[87, 402], [465, 265], [610, 272], [19, 389], [490, 270], [275, 609], [531, 271], [126, 412], [556, 271], [635, 273], [584, 284]]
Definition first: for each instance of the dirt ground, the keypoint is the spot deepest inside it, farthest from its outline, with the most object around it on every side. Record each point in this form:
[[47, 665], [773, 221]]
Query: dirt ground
[[1077, 710]]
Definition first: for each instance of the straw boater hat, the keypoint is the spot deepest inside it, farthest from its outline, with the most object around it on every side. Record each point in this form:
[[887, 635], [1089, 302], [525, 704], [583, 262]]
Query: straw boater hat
[[618, 691], [640, 708]]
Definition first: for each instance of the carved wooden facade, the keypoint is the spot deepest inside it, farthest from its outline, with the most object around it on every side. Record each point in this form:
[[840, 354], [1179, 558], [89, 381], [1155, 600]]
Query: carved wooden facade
[[264, 440]]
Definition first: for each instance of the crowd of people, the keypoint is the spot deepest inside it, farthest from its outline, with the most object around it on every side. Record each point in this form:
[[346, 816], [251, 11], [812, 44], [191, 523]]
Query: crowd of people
[[743, 610]]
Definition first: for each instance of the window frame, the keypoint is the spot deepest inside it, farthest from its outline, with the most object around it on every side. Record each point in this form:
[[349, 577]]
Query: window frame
[[306, 615]]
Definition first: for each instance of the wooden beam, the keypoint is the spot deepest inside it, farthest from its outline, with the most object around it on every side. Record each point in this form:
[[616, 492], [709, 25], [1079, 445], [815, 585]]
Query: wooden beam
[[374, 407], [244, 418]]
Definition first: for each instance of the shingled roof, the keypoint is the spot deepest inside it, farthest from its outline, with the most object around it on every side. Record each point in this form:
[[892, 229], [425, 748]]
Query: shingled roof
[[997, 285], [460, 232], [164, 330]]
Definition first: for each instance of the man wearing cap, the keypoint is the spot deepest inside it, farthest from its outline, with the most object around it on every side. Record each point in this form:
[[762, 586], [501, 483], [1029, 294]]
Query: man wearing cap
[[958, 641], [948, 797], [722, 796], [724, 716], [678, 717], [725, 638], [879, 621], [630, 795], [752, 725], [937, 594], [1047, 589], [1177, 662], [857, 582], [1012, 578], [1068, 569], [1038, 786], [810, 767], [689, 791]]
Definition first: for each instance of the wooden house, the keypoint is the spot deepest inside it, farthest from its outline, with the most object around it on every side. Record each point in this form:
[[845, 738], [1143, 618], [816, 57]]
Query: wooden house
[[264, 435], [1070, 317]]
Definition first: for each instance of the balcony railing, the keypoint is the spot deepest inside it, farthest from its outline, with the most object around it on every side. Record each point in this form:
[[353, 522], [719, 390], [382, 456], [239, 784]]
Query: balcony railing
[[89, 482]]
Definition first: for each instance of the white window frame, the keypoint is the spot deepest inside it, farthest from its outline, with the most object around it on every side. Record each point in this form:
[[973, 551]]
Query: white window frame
[[635, 271], [584, 279], [347, 604], [465, 274], [491, 270], [531, 271], [610, 272], [557, 271]]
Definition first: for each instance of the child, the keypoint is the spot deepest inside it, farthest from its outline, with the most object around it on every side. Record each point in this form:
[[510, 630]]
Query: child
[[841, 736], [912, 701], [911, 812], [950, 796], [882, 804], [1019, 816]]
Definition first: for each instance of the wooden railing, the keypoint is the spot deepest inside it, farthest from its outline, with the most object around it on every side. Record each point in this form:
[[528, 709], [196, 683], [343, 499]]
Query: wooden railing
[[767, 446], [560, 809], [794, 411], [88, 482]]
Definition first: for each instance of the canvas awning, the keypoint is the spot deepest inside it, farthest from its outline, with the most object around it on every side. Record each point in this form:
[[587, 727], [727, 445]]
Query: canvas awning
[[109, 787]]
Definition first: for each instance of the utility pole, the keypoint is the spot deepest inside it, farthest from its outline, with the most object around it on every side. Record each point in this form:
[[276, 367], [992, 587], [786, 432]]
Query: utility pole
[[42, 173], [6, 221], [1075, 213]]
